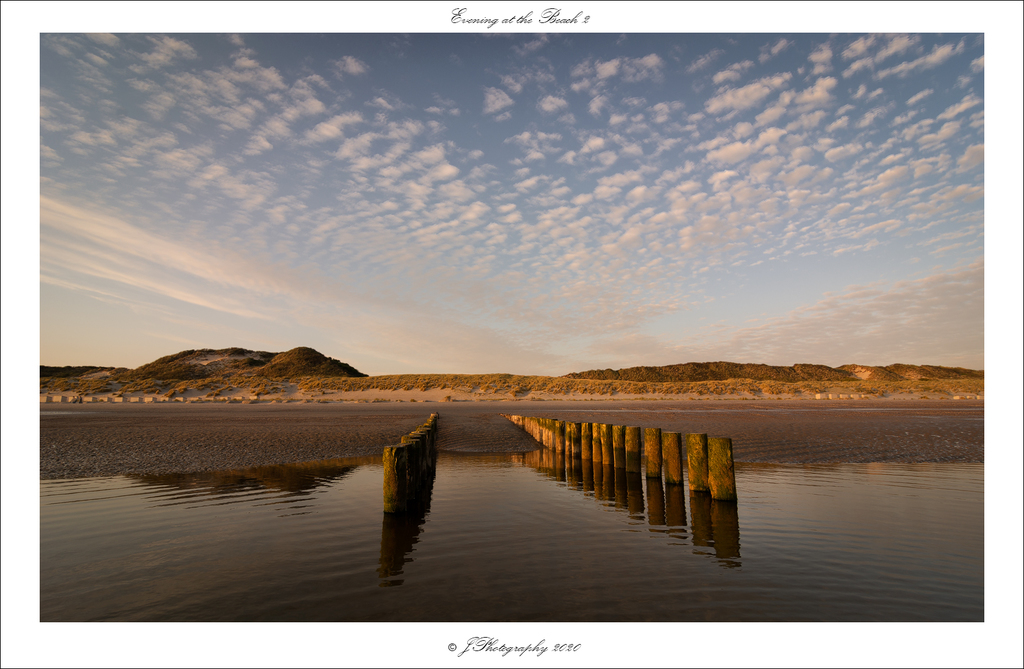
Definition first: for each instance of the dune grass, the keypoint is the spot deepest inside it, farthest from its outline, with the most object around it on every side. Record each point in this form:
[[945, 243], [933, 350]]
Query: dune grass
[[501, 386]]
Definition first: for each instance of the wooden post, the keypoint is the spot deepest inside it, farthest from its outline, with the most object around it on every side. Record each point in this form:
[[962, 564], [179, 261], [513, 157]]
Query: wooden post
[[574, 440], [632, 449], [559, 427], [619, 446], [652, 451], [586, 441], [597, 434], [721, 471], [697, 461], [671, 453], [396, 466], [414, 462], [607, 456]]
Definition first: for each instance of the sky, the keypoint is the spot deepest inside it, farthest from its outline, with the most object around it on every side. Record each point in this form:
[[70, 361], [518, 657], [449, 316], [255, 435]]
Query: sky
[[532, 203]]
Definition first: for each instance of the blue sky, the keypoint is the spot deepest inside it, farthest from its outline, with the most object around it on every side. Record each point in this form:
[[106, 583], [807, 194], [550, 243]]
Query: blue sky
[[526, 203]]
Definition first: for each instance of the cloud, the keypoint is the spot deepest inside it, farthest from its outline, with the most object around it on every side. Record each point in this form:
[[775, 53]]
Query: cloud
[[970, 100], [350, 65], [869, 116], [859, 47], [973, 156], [495, 100], [844, 151], [746, 96], [919, 96], [938, 56], [332, 128], [933, 140], [551, 103], [822, 59], [166, 50], [731, 153], [772, 50], [817, 95], [733, 73], [704, 61]]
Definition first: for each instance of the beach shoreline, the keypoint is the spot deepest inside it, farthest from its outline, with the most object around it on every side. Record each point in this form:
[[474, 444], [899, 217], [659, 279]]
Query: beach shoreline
[[98, 439]]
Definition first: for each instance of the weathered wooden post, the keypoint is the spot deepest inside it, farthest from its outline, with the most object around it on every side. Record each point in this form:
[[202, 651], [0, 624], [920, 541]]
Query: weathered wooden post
[[697, 461], [597, 434], [559, 457], [721, 471], [607, 456], [672, 455], [586, 441], [574, 439], [396, 473], [559, 427], [632, 449], [619, 446], [414, 462], [652, 451]]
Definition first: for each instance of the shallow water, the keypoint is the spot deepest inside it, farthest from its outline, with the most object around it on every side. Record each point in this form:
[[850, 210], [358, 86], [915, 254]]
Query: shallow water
[[512, 537]]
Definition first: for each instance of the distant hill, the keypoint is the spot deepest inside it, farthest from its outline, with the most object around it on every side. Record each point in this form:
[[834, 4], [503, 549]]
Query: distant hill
[[207, 363], [723, 371], [70, 371]]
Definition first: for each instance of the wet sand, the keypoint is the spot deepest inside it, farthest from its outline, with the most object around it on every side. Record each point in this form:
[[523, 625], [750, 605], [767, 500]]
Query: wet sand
[[83, 440]]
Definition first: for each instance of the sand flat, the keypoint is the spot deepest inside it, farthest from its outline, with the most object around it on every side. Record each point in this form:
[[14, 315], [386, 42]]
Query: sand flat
[[104, 439]]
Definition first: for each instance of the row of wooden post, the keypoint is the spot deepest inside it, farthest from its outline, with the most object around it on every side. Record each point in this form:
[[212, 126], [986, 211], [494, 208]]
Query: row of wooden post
[[709, 461], [409, 465]]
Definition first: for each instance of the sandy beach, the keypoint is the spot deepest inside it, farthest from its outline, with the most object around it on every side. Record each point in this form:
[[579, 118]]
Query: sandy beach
[[81, 440]]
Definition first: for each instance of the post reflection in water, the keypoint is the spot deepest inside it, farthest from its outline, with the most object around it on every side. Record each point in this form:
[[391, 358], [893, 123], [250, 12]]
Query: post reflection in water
[[635, 494], [621, 492], [399, 533], [675, 504], [608, 482], [655, 502], [713, 524], [725, 531], [700, 517]]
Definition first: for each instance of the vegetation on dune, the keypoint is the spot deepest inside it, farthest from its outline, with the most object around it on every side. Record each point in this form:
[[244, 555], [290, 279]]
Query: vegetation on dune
[[69, 372], [218, 372], [197, 364], [303, 361], [723, 371]]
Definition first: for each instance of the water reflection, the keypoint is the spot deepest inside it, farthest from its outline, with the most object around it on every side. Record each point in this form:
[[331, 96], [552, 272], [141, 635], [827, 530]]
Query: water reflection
[[635, 494], [218, 547], [675, 504], [725, 532], [714, 524], [400, 532], [656, 502], [293, 479]]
